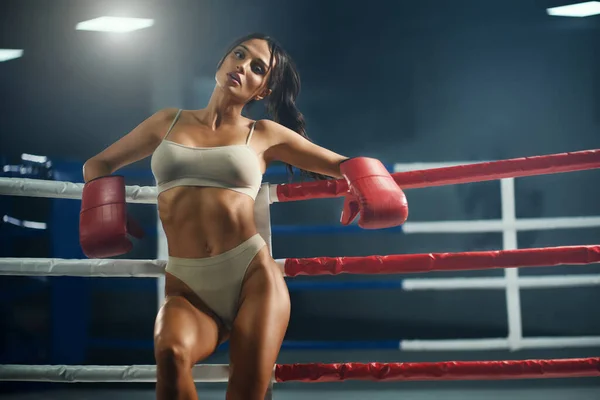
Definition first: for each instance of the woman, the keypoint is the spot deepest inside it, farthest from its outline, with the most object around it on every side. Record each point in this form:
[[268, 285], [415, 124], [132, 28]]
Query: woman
[[221, 282]]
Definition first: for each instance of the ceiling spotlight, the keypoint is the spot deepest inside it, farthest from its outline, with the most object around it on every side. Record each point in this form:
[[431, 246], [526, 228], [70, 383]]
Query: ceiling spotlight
[[576, 10], [114, 24], [10, 54]]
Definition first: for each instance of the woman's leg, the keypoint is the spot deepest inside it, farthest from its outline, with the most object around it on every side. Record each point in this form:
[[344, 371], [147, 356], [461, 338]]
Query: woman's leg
[[258, 329], [183, 335]]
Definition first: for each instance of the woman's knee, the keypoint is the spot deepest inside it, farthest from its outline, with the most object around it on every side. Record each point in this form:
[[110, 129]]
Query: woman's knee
[[172, 355]]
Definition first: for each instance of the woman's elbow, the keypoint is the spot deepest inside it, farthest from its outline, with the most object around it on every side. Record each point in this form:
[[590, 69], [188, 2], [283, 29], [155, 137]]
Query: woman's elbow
[[94, 168]]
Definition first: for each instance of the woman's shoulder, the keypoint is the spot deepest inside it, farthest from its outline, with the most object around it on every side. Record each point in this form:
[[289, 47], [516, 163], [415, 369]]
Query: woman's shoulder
[[267, 125], [161, 117], [166, 113]]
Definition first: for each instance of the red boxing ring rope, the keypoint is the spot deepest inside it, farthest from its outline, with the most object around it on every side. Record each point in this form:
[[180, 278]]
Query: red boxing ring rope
[[486, 171], [412, 263], [440, 371]]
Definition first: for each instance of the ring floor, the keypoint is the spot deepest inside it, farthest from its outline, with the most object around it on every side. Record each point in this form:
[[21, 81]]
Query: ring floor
[[556, 389]]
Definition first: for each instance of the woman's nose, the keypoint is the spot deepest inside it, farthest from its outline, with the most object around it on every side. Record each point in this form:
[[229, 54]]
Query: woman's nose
[[241, 67]]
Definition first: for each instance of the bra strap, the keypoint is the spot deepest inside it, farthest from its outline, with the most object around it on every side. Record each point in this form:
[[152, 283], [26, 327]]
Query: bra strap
[[251, 132], [173, 123]]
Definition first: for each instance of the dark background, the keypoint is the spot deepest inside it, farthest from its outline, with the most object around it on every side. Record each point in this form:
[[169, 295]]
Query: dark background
[[403, 81]]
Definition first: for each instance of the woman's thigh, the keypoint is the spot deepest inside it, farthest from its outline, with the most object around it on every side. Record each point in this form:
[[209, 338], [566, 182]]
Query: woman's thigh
[[259, 328], [183, 329]]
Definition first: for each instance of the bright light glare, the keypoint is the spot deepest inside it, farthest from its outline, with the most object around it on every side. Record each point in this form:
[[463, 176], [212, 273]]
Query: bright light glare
[[576, 10], [114, 24], [10, 54], [33, 158], [24, 223]]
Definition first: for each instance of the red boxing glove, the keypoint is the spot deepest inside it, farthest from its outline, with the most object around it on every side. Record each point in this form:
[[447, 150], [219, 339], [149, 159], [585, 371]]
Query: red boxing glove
[[104, 227], [373, 193]]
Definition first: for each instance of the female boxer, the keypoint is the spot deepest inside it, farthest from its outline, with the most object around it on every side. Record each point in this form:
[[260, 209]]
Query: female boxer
[[221, 282]]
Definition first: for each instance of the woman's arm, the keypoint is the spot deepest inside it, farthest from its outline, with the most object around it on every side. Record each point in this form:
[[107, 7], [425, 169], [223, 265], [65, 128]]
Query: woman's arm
[[289, 147], [104, 225], [136, 145], [372, 192]]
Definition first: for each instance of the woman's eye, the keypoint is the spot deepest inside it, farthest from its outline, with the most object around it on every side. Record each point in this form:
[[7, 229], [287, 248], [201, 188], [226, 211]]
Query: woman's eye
[[238, 54], [258, 70]]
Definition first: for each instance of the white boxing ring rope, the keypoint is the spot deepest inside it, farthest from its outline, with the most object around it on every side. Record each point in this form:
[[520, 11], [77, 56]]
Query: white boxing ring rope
[[504, 170], [94, 373]]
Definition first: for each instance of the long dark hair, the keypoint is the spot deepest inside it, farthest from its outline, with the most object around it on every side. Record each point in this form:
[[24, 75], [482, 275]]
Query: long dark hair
[[284, 82]]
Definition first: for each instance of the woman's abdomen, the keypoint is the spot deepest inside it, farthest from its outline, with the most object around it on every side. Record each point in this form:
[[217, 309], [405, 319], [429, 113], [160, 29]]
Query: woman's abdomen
[[203, 222]]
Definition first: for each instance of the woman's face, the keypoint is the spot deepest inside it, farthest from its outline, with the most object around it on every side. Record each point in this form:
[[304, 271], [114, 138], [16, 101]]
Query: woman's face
[[245, 71]]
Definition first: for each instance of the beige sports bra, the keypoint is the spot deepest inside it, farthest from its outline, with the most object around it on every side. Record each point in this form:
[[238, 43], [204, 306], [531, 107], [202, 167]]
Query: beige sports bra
[[234, 167]]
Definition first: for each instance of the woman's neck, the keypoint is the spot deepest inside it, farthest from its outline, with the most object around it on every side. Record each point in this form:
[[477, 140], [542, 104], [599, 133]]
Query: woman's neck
[[221, 108]]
